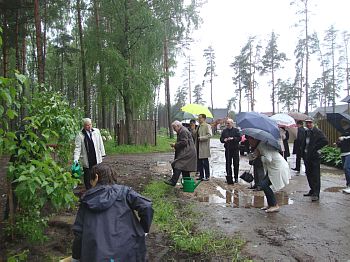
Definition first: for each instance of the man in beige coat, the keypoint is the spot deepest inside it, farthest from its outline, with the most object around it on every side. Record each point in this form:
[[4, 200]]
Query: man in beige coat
[[204, 134]]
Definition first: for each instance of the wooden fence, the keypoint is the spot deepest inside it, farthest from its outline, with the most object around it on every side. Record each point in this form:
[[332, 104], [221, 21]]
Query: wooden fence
[[331, 133], [143, 132]]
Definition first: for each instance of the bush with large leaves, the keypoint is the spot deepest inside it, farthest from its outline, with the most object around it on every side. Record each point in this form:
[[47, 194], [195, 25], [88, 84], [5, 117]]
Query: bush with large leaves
[[39, 179]]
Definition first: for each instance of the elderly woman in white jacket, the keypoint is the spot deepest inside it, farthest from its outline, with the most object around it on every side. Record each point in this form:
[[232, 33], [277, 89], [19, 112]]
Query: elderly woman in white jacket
[[277, 170], [89, 147]]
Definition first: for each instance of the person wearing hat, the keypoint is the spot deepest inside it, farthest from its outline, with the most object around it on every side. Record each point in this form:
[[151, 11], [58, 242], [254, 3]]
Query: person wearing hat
[[310, 149]]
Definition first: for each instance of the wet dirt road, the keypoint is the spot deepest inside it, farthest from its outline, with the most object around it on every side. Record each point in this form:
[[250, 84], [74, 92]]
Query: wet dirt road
[[301, 231]]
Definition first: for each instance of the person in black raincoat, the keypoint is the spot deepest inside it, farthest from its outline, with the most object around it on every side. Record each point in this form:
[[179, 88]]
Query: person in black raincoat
[[106, 227]]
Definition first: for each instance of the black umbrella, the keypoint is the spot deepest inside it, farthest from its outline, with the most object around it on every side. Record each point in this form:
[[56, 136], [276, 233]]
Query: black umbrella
[[340, 121]]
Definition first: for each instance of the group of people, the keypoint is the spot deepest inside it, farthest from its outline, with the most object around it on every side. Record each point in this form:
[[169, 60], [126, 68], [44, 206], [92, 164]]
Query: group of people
[[108, 207], [271, 169]]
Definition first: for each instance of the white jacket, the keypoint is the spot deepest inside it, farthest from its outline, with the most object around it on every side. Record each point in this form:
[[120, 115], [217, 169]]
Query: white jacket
[[80, 150], [276, 166]]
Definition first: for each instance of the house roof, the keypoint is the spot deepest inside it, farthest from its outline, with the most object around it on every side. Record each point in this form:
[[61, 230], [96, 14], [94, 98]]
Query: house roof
[[219, 113], [346, 99], [329, 109]]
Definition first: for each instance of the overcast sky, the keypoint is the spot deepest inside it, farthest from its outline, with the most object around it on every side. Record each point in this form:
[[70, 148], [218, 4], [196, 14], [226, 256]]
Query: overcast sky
[[227, 25]]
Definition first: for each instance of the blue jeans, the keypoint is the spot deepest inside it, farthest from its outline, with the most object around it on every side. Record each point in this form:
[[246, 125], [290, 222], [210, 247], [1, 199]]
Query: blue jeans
[[346, 167], [270, 196]]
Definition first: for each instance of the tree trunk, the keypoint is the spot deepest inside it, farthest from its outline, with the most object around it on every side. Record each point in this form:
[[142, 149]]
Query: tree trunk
[[39, 48], [18, 66], [86, 89], [167, 88], [273, 87], [211, 83], [129, 119], [4, 45], [306, 60]]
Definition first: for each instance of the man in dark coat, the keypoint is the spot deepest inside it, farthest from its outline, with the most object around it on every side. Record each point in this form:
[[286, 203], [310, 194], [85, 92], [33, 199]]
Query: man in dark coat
[[297, 145], [231, 136], [185, 154], [106, 227], [286, 152], [311, 146]]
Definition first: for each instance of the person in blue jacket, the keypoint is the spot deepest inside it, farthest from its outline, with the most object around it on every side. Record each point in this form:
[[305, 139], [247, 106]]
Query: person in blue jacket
[[106, 227]]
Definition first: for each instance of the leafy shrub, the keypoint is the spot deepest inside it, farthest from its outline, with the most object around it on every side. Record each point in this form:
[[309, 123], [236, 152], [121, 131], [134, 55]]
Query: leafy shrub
[[331, 156], [106, 136], [39, 180]]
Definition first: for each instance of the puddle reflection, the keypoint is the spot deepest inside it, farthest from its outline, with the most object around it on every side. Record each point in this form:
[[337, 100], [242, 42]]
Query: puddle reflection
[[335, 189], [240, 199]]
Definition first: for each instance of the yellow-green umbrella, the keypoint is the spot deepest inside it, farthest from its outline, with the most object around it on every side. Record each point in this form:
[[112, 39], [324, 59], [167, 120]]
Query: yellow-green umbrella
[[197, 109]]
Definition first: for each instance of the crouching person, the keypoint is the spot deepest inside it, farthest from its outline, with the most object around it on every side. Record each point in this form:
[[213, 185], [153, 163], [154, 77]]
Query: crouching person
[[106, 227]]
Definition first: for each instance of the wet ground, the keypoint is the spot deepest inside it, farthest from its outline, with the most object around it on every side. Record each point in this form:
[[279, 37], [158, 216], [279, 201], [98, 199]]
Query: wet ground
[[301, 231]]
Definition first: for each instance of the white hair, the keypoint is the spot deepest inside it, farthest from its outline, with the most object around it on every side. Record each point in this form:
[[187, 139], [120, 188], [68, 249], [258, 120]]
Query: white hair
[[87, 121], [176, 123], [229, 120]]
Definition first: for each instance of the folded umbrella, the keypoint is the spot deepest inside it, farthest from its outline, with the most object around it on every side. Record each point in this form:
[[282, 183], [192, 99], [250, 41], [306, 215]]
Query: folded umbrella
[[263, 136], [259, 121]]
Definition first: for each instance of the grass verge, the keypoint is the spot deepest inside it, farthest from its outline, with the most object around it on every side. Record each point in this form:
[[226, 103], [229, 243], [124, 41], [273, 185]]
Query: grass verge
[[169, 217], [163, 145]]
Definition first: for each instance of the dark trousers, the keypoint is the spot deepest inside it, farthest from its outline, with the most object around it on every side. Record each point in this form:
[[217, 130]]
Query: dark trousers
[[258, 170], [177, 173], [312, 170], [87, 177], [232, 155], [270, 196], [203, 167], [297, 162]]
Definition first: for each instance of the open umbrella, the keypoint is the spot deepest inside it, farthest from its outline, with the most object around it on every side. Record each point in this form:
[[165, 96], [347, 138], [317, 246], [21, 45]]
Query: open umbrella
[[197, 109], [263, 136], [339, 121], [181, 115], [298, 116], [258, 121], [283, 119]]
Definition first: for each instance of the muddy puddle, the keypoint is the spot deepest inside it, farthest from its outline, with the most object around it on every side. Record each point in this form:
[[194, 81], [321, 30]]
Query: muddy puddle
[[335, 189], [239, 199]]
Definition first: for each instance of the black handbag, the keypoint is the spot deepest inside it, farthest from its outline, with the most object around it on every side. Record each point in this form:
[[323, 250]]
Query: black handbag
[[247, 176]]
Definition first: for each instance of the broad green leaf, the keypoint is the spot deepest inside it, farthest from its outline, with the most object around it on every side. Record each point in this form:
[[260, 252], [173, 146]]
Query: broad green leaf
[[21, 78], [6, 96], [2, 110], [11, 113], [22, 178]]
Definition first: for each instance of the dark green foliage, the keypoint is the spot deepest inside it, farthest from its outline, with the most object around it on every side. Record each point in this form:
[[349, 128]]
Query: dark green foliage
[[331, 156]]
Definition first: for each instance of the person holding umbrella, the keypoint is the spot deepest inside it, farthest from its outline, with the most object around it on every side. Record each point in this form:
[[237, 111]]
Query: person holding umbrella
[[275, 166], [204, 133]]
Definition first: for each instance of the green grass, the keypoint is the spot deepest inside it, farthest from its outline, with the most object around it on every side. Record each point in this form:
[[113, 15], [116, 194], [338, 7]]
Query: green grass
[[163, 145], [169, 217]]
